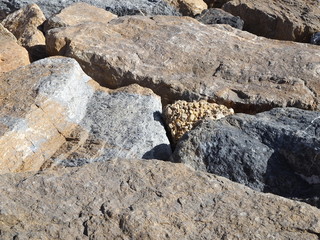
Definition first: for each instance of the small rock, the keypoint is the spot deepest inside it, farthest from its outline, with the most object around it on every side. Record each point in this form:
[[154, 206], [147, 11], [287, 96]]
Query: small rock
[[315, 38], [188, 7]]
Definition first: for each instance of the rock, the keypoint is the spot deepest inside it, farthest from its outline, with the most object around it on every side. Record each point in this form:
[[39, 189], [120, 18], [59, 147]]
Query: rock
[[118, 7], [12, 55], [315, 38], [182, 59], [61, 117], [135, 199], [182, 116], [25, 24], [218, 16], [275, 151], [215, 3], [79, 13], [188, 7], [283, 19]]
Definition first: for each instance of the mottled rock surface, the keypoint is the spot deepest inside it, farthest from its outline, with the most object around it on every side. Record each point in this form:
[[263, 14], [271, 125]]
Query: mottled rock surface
[[12, 55], [218, 62], [79, 13], [218, 16], [282, 19], [57, 115], [181, 116], [26, 25], [118, 7], [135, 199], [276, 151], [188, 7]]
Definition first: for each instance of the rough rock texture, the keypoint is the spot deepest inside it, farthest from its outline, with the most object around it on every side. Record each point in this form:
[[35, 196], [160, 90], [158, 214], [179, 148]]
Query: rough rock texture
[[215, 3], [182, 59], [12, 55], [135, 199], [58, 116], [315, 38], [118, 7], [188, 7], [79, 13], [181, 116], [276, 151], [26, 25], [218, 16], [282, 19]]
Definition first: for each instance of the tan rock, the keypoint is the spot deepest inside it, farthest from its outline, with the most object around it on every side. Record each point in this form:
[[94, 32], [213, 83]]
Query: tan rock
[[135, 199], [189, 7], [12, 55], [79, 13], [181, 59], [181, 116], [282, 19]]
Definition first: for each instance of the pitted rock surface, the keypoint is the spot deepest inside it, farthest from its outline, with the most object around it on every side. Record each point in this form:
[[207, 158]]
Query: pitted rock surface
[[218, 63], [181, 116]]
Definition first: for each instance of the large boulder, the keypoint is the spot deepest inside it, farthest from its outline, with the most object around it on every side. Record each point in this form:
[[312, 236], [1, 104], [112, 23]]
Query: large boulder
[[51, 113], [283, 19], [275, 151], [180, 58], [118, 7], [188, 7], [26, 25], [135, 199], [12, 55]]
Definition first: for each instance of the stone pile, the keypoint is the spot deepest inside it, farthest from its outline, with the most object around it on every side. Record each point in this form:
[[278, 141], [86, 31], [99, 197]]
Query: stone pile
[[130, 83]]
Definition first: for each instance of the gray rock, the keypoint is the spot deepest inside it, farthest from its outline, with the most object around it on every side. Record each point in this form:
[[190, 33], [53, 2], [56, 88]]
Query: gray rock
[[118, 7], [315, 38], [218, 16], [276, 151], [136, 199]]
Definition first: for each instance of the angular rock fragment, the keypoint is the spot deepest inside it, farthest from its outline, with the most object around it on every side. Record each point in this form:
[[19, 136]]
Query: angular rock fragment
[[282, 19], [182, 59], [134, 199], [315, 38], [181, 116], [218, 16], [79, 13], [188, 7], [12, 55], [276, 151], [52, 113]]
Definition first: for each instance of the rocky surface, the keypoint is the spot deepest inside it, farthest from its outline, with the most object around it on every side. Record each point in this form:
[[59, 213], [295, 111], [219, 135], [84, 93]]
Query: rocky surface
[[118, 7], [182, 116], [275, 151], [136, 199], [188, 7], [315, 38], [215, 3], [12, 55], [283, 19], [79, 13], [58, 116], [26, 25], [218, 16], [218, 63]]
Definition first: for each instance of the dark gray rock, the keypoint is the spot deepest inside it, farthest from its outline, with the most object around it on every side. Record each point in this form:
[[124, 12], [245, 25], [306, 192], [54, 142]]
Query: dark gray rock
[[119, 7], [276, 151], [218, 16], [315, 39]]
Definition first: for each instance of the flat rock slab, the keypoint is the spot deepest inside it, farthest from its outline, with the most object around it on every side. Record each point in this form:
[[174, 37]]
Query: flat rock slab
[[282, 19], [12, 55], [276, 151], [136, 199], [52, 113], [180, 58], [118, 7]]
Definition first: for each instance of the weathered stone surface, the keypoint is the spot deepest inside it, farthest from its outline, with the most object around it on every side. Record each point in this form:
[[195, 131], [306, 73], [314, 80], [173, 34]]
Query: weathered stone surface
[[25, 24], [315, 38], [51, 113], [182, 59], [188, 7], [12, 55], [134, 199], [182, 116], [283, 19], [218, 16], [79, 13], [276, 151], [216, 3], [118, 7]]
